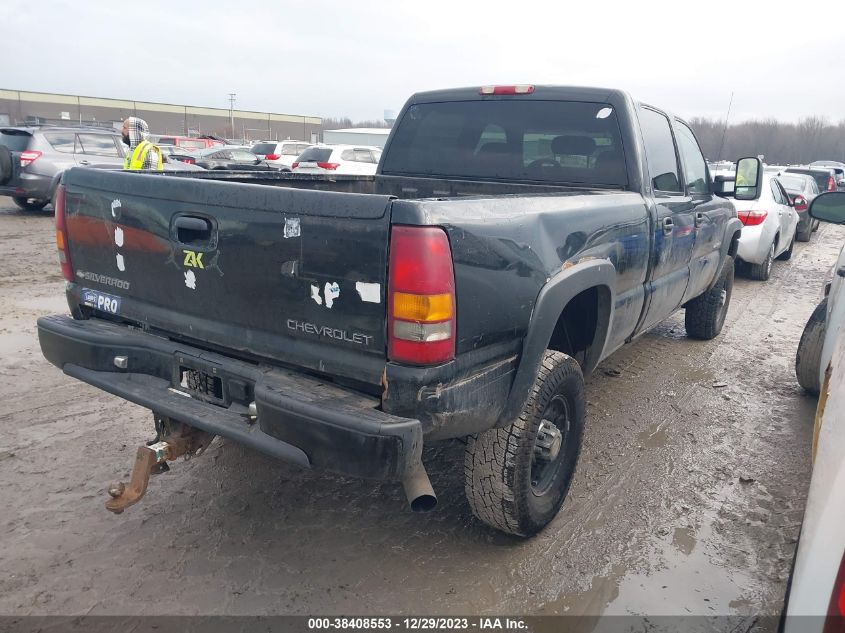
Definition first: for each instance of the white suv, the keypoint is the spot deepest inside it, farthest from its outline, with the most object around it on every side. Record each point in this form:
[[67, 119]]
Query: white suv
[[338, 159], [817, 586], [279, 154]]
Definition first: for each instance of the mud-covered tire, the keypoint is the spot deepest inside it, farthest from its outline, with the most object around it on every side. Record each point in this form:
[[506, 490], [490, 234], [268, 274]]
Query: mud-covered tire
[[787, 254], [705, 315], [507, 484], [806, 234], [808, 356], [30, 204], [762, 272]]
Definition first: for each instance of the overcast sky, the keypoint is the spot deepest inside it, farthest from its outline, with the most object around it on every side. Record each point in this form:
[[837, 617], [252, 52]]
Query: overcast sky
[[357, 57]]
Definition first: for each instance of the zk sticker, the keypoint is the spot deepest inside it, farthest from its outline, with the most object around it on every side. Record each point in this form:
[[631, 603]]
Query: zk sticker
[[193, 259]]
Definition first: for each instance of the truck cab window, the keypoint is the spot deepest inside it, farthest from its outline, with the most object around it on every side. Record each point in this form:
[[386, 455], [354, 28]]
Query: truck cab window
[[660, 151], [695, 168]]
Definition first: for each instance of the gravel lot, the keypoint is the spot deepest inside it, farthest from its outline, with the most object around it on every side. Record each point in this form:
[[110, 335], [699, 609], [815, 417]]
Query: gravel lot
[[687, 500]]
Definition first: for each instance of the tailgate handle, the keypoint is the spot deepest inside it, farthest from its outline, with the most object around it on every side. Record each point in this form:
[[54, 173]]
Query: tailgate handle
[[192, 230]]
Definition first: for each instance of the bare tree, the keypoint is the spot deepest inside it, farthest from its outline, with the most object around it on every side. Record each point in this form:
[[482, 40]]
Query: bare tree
[[811, 138]]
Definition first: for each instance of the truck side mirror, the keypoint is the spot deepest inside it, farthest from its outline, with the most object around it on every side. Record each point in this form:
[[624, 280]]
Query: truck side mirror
[[829, 207], [723, 186], [749, 178]]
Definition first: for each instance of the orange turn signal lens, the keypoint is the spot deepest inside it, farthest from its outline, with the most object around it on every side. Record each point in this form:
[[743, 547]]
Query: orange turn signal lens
[[425, 308], [60, 240]]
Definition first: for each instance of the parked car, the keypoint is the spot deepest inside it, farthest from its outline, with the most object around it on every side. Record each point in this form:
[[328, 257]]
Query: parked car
[[768, 231], [281, 154], [338, 159], [802, 189], [237, 158], [817, 584], [45, 152], [837, 166], [176, 153], [190, 143], [826, 177], [505, 247]]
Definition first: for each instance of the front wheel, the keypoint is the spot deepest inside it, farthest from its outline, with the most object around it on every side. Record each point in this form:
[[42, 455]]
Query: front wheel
[[30, 204], [705, 315], [808, 357], [516, 478]]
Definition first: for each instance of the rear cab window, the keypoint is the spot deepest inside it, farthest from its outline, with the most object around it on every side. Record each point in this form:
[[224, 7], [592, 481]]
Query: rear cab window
[[566, 142]]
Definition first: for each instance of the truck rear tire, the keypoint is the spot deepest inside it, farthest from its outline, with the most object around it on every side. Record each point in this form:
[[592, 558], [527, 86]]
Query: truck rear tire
[[30, 204], [808, 356], [516, 478], [705, 315], [762, 272]]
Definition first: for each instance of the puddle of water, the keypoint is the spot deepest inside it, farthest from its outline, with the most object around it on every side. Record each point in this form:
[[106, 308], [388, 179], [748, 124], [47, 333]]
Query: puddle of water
[[684, 540], [689, 582], [654, 436]]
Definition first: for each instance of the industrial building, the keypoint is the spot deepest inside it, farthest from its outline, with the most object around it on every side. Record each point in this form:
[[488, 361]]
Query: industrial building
[[18, 107], [373, 137]]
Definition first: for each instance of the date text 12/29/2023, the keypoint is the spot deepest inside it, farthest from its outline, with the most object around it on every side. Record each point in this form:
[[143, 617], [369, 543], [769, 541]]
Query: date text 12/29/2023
[[417, 624]]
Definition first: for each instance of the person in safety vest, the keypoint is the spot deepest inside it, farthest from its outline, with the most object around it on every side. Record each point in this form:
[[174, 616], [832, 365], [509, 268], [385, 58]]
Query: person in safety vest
[[142, 154]]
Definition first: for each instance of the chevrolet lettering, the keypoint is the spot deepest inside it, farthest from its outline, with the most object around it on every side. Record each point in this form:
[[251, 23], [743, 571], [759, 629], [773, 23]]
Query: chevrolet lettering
[[335, 333]]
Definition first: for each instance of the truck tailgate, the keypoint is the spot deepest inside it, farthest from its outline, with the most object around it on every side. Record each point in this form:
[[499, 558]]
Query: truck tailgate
[[294, 275]]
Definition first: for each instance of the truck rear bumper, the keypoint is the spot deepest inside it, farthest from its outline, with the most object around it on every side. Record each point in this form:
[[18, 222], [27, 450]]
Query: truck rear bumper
[[300, 418]]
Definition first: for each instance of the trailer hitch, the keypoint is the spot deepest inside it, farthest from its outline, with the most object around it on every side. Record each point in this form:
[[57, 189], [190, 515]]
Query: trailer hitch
[[151, 459]]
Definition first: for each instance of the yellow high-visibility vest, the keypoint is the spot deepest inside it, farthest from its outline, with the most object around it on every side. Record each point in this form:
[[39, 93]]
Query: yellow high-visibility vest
[[135, 159]]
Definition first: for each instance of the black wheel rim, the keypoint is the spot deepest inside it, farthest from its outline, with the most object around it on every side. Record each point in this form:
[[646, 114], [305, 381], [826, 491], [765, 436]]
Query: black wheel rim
[[554, 430]]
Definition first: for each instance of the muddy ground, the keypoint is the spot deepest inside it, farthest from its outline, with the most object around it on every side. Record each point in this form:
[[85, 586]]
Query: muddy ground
[[687, 499]]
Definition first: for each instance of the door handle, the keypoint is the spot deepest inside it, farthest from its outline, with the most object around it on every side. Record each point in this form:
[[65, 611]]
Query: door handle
[[84, 162], [192, 230], [668, 226], [699, 218]]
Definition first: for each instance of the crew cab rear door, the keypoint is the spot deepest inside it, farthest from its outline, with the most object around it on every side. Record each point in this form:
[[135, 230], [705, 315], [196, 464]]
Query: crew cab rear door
[[710, 213], [290, 274], [673, 235]]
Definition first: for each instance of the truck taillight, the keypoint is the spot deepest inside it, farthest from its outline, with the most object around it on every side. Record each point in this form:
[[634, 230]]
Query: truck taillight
[[421, 296], [752, 218], [61, 234], [835, 621], [330, 166], [29, 157], [272, 157], [294, 165]]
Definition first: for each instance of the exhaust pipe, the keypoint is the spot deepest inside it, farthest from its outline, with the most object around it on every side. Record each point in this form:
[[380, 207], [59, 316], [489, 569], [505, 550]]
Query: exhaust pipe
[[418, 489]]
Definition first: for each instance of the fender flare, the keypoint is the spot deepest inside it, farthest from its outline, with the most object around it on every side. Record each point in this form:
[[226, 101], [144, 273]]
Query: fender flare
[[729, 248], [551, 301], [731, 242]]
